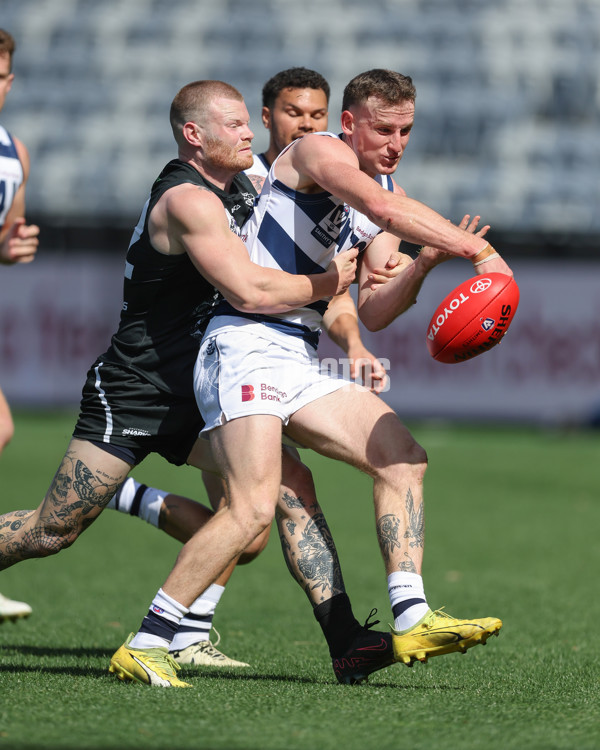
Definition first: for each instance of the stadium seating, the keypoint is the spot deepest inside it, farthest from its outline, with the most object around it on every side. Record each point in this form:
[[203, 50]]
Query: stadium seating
[[508, 102]]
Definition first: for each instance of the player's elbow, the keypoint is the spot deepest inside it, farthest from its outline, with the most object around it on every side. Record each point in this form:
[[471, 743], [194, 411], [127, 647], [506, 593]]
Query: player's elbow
[[372, 323], [378, 208], [253, 299], [249, 303]]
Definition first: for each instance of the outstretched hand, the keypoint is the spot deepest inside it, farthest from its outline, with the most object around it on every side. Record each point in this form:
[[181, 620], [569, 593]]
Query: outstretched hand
[[433, 257]]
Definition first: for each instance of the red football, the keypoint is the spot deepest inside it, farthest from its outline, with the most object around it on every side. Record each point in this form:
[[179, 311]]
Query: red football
[[472, 318]]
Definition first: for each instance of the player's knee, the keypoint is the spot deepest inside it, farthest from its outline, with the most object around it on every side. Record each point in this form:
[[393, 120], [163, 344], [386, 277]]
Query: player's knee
[[50, 540], [252, 519], [254, 549], [298, 478], [263, 514], [418, 459], [409, 462]]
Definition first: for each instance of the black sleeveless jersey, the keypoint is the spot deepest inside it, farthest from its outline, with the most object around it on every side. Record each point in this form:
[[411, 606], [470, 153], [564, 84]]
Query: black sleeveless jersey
[[167, 303]]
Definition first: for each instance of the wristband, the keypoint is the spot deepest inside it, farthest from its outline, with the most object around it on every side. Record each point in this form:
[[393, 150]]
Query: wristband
[[485, 260]]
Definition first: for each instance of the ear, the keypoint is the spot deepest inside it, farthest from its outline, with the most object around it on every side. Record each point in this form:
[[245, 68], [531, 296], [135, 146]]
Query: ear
[[192, 134], [266, 117], [347, 121]]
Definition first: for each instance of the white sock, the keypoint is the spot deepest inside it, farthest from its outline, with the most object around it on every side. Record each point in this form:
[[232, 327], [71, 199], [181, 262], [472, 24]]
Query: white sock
[[407, 597], [160, 624], [196, 624], [138, 500]]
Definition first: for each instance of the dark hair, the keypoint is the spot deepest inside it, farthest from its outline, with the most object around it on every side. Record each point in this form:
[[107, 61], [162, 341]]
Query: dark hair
[[7, 45], [387, 85], [292, 78]]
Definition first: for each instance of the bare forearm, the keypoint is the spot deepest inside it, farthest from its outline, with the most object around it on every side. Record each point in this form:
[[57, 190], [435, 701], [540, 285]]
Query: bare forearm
[[415, 222], [344, 331], [276, 292], [269, 290], [379, 307], [341, 322]]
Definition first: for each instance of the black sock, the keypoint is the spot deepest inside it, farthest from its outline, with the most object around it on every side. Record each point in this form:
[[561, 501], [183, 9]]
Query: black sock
[[338, 623]]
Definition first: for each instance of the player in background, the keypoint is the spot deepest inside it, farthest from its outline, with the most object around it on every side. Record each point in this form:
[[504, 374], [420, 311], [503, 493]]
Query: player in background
[[18, 244], [295, 102]]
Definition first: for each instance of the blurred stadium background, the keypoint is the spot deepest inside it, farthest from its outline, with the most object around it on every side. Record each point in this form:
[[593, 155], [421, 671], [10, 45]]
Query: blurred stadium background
[[508, 115]]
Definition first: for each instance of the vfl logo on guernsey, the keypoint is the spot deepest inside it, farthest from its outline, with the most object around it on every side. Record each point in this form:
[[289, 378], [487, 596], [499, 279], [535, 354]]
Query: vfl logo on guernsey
[[247, 393], [328, 229]]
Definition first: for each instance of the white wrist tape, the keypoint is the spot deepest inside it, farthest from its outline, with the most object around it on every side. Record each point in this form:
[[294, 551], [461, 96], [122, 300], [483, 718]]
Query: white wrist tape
[[485, 260]]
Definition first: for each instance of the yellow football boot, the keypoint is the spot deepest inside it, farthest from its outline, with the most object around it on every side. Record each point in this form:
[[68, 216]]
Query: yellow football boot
[[150, 666], [438, 633]]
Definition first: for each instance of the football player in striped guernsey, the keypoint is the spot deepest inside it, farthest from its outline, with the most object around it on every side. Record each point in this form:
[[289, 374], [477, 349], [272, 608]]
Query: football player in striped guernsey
[[18, 244], [295, 102], [325, 193]]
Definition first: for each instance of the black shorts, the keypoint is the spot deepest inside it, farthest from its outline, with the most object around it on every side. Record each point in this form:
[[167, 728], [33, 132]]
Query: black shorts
[[130, 417]]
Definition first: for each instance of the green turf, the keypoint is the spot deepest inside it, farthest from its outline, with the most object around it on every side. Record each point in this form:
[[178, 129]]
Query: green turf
[[512, 520]]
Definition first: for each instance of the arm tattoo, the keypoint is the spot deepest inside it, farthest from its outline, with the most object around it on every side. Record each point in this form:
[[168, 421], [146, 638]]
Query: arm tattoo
[[257, 181]]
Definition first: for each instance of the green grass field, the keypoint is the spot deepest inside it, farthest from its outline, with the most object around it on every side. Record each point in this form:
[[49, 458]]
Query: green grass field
[[512, 517]]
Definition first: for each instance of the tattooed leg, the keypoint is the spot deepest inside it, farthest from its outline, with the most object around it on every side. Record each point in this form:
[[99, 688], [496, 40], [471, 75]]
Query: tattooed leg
[[401, 536], [85, 481], [306, 540], [354, 426]]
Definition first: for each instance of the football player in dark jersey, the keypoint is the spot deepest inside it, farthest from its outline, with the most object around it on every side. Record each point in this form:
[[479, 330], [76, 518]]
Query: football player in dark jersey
[[138, 397], [295, 102]]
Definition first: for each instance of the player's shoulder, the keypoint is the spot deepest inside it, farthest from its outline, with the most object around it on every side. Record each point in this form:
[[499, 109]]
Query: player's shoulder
[[321, 146], [180, 199], [322, 139]]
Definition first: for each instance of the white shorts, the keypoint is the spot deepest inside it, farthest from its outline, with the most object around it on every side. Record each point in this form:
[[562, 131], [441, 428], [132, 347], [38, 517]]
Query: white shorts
[[248, 369]]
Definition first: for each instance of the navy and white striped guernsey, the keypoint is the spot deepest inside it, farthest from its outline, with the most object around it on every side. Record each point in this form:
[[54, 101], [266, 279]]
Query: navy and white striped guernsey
[[11, 173], [301, 233]]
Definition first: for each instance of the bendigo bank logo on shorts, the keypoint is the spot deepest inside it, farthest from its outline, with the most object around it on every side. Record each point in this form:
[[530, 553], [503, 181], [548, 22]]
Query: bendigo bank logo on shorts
[[267, 393], [247, 392]]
